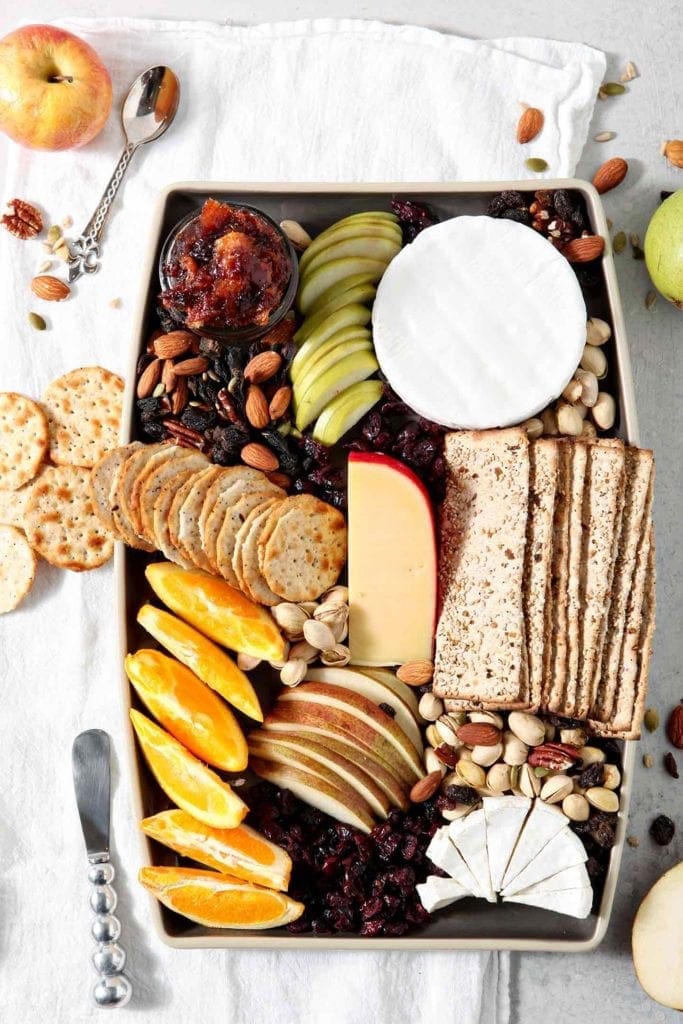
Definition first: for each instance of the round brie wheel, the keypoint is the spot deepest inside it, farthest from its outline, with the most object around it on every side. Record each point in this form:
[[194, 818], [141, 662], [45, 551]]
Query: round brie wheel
[[479, 323]]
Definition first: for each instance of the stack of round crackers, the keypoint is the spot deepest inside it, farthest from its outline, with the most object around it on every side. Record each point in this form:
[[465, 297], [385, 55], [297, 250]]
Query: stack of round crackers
[[46, 454], [233, 522]]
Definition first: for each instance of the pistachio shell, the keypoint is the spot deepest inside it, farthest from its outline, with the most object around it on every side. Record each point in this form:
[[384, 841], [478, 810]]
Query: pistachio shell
[[498, 778], [336, 656], [556, 788], [293, 672], [290, 618], [528, 782], [592, 755], [485, 718], [470, 773], [430, 707], [603, 799], [317, 634], [576, 807], [528, 728], [612, 777], [486, 756], [515, 752]]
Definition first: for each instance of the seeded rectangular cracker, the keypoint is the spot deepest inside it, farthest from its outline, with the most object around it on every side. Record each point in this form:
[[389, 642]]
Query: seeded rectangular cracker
[[579, 462], [555, 657], [480, 633]]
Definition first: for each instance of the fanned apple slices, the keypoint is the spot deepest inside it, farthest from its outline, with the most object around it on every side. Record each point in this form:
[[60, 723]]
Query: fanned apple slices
[[513, 847], [344, 742]]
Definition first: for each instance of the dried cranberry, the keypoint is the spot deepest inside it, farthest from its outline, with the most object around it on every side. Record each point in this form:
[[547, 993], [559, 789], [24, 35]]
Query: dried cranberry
[[413, 217], [593, 775], [662, 830]]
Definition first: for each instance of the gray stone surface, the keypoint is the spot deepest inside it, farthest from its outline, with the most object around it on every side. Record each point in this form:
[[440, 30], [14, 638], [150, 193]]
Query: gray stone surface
[[600, 987]]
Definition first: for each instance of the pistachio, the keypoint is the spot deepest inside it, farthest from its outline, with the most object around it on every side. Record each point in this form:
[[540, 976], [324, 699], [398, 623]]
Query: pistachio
[[309, 607], [528, 728], [597, 331], [484, 718], [550, 731], [612, 777], [549, 420], [432, 736], [336, 595], [297, 235], [595, 360], [336, 656], [293, 672], [317, 634], [604, 411], [528, 781], [459, 811], [591, 755], [572, 392], [458, 718], [603, 799], [430, 707], [498, 778], [247, 662], [576, 807], [515, 752], [464, 754], [445, 728], [533, 427], [290, 618], [577, 788], [589, 387], [588, 429], [471, 774], [556, 788], [486, 756], [514, 776], [577, 737], [431, 761], [335, 615], [304, 650]]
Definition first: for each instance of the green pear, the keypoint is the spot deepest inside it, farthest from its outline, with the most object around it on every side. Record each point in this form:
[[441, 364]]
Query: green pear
[[358, 366], [353, 315], [323, 360], [362, 294], [664, 248], [352, 232], [344, 411], [336, 270]]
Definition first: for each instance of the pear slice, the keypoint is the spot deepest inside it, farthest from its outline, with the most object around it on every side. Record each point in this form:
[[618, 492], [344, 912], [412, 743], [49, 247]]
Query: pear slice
[[657, 940], [328, 354], [363, 712], [361, 294], [375, 243], [344, 373], [346, 410], [375, 691], [340, 802], [336, 270], [349, 315], [341, 288], [316, 759], [386, 676], [285, 731], [318, 349]]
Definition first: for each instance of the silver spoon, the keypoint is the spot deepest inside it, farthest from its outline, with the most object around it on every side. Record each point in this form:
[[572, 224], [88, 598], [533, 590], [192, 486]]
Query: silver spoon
[[148, 110]]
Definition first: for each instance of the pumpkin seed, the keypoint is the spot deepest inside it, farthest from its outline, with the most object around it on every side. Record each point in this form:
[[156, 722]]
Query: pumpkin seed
[[36, 321], [604, 136], [651, 719], [535, 164], [54, 234], [619, 242], [612, 88]]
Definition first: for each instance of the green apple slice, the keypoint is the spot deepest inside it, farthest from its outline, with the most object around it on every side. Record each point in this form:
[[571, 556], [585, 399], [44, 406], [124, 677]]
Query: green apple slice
[[362, 294], [346, 410], [336, 270], [320, 350], [366, 246], [353, 315], [330, 353], [339, 289], [384, 216], [348, 371], [354, 232]]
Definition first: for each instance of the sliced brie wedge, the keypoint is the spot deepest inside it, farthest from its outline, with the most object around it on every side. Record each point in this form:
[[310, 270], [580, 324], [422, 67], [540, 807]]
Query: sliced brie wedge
[[565, 850], [505, 817], [468, 835], [544, 822], [436, 893], [442, 853], [572, 902], [575, 877]]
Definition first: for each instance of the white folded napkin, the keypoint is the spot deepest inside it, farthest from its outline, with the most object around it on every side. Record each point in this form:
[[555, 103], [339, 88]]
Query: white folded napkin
[[322, 100]]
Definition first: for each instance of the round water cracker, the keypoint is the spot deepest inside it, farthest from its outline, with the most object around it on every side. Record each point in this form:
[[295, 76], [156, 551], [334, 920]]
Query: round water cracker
[[174, 512], [153, 481], [13, 506], [224, 503], [101, 479], [233, 519], [256, 586], [24, 439], [162, 509], [84, 413], [230, 477], [61, 524], [121, 486], [17, 568], [188, 539], [305, 551], [240, 537]]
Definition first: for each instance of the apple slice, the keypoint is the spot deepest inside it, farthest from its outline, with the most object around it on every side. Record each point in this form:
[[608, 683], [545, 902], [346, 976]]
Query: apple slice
[[337, 290], [362, 711], [392, 562], [291, 732], [349, 315], [346, 410], [328, 385], [360, 294], [317, 760], [340, 725], [342, 803], [336, 270], [402, 690], [369, 242], [353, 339], [375, 691], [657, 940], [341, 232]]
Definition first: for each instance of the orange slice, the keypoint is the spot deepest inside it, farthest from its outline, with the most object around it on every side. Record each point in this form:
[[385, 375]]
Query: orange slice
[[188, 709], [217, 610], [209, 662], [240, 851], [185, 780], [219, 901]]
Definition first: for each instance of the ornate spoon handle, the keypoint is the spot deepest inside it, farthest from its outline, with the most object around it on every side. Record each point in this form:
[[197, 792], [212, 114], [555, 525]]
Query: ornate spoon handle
[[85, 250], [112, 987]]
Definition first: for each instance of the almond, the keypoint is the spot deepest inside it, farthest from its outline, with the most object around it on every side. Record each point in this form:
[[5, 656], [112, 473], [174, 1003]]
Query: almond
[[259, 457], [610, 174], [256, 407], [283, 332], [188, 367], [168, 346], [280, 480], [50, 288], [262, 367], [529, 124], [583, 250], [149, 378], [168, 375], [416, 673], [478, 734], [673, 151], [426, 787], [674, 726], [279, 403], [179, 396]]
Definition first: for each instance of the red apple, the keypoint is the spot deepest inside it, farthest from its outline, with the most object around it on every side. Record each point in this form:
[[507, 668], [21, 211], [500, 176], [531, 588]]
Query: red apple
[[55, 92]]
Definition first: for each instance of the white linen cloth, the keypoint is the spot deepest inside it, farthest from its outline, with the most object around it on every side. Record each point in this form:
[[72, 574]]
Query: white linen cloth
[[323, 100]]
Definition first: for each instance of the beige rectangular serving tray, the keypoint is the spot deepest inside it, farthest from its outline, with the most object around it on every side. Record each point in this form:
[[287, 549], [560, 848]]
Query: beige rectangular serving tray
[[476, 925]]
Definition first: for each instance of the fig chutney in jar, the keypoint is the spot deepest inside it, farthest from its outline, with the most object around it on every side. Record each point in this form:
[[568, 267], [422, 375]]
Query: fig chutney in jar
[[228, 272]]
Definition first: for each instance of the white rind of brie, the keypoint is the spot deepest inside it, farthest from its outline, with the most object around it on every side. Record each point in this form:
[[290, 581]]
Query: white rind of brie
[[436, 893], [505, 816], [572, 902], [565, 850], [468, 835], [479, 323], [544, 822]]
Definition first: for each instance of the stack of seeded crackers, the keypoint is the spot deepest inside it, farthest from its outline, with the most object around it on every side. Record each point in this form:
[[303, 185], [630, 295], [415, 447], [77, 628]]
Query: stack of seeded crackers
[[232, 522], [547, 577], [47, 450]]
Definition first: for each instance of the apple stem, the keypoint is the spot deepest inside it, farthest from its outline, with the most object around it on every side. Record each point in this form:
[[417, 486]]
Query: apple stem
[[59, 78]]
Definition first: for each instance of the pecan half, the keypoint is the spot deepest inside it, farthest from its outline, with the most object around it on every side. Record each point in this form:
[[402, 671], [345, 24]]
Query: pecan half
[[184, 434], [556, 756], [22, 220]]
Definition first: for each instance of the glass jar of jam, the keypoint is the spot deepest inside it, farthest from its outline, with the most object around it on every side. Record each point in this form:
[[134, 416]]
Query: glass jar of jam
[[228, 272]]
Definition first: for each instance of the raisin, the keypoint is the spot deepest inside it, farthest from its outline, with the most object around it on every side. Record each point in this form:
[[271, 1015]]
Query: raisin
[[289, 460], [670, 765], [519, 216], [602, 829], [144, 360], [150, 409], [388, 710], [461, 794], [593, 775], [154, 429], [662, 830], [198, 419], [166, 321], [496, 206], [210, 347], [563, 203], [513, 200]]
